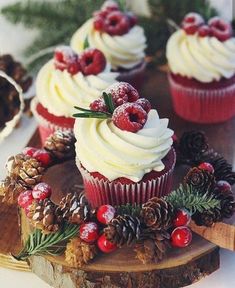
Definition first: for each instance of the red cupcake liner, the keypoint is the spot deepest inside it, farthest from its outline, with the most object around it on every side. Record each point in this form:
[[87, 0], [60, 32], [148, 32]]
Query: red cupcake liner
[[203, 105], [101, 191]]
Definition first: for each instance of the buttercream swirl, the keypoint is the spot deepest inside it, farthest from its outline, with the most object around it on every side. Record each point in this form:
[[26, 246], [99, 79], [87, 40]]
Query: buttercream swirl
[[126, 51], [59, 91], [104, 148], [205, 59]]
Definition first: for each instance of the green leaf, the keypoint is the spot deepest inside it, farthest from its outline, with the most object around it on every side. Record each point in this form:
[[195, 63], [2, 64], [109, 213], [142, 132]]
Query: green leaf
[[108, 99], [86, 43]]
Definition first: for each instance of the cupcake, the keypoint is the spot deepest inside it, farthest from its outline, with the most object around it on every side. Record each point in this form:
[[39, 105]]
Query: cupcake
[[201, 59], [67, 80], [118, 36], [127, 156]]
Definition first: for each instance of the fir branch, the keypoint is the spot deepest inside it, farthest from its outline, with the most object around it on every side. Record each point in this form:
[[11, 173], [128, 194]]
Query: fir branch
[[129, 209]]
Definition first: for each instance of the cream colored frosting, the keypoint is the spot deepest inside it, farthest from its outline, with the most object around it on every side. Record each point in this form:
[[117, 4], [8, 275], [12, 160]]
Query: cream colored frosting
[[126, 51], [205, 59], [59, 91], [102, 147]]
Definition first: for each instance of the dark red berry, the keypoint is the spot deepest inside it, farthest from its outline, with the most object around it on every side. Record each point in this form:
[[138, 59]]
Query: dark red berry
[[89, 232], [66, 58], [192, 22], [74, 68], [132, 19], [105, 214], [116, 23], [92, 61], [206, 166], [181, 237], [43, 156], [25, 199], [41, 191], [220, 28], [98, 23], [182, 218], [204, 31], [98, 105], [223, 186], [145, 104], [105, 245], [129, 117], [29, 151]]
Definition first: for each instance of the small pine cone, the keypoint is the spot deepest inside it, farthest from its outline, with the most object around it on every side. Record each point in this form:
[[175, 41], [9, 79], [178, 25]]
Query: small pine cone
[[123, 230], [207, 218], [78, 253], [227, 203], [157, 214], [61, 145], [10, 189]]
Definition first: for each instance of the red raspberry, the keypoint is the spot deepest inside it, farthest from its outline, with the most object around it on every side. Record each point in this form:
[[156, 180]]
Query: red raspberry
[[145, 104], [92, 61], [105, 245], [129, 117], [41, 191], [29, 151], [116, 23], [89, 232], [206, 166], [110, 6], [25, 199], [98, 105], [43, 156], [98, 23], [66, 58], [181, 237], [220, 28], [105, 214], [204, 31], [223, 186], [191, 23], [182, 218], [132, 19]]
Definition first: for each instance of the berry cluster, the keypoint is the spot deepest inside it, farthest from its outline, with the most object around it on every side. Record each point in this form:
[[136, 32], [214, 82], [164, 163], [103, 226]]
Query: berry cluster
[[113, 21], [90, 62], [40, 155], [216, 27]]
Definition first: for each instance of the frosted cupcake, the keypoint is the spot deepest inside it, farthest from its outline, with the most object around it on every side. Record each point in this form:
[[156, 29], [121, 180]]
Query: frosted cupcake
[[67, 80], [201, 59], [118, 36], [127, 156]]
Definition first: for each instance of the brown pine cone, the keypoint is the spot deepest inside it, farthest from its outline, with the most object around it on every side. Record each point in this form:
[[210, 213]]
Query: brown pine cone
[[227, 203], [207, 218], [157, 214], [61, 145], [78, 253], [10, 189], [123, 230]]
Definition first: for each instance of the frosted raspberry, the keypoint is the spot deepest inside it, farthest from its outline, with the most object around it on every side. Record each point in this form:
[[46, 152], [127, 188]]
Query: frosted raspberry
[[192, 22], [41, 191], [66, 59], [145, 104], [204, 31], [98, 23], [98, 105], [92, 62], [116, 23], [220, 28]]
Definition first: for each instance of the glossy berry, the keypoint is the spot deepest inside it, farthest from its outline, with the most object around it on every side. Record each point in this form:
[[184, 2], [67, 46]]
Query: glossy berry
[[41, 191], [192, 22], [145, 104], [66, 59], [116, 23], [43, 156], [29, 151], [181, 237], [223, 186], [129, 117], [204, 31], [105, 214], [89, 232], [182, 218], [98, 105], [105, 245], [92, 62], [220, 28], [25, 199], [132, 19], [206, 166]]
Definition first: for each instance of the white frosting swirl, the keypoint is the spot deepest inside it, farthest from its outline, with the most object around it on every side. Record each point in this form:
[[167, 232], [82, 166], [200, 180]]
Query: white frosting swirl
[[59, 91], [126, 51], [114, 153], [205, 59]]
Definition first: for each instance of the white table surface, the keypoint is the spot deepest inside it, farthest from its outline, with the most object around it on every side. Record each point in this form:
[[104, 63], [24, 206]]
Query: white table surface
[[13, 40]]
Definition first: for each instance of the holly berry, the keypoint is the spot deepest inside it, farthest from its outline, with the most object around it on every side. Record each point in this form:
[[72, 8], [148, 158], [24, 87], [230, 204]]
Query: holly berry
[[207, 167], [29, 151], [204, 31], [182, 218], [41, 191], [66, 58], [25, 199], [223, 186], [105, 245], [116, 23], [98, 105], [43, 156], [181, 237], [220, 28], [129, 117], [105, 214], [92, 61], [145, 104], [192, 22], [89, 232]]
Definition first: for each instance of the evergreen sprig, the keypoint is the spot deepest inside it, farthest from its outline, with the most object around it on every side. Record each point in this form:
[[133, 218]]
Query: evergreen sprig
[[129, 209]]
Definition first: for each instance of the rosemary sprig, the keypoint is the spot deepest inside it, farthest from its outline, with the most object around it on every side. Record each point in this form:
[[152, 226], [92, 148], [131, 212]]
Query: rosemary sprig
[[91, 114], [86, 43], [108, 100]]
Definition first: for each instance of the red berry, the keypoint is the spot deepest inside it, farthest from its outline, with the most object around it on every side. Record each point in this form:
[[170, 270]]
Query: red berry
[[41, 191], [66, 58], [116, 23], [98, 105], [145, 104], [105, 245], [25, 199], [220, 28], [105, 214], [132, 19], [204, 31], [29, 151], [43, 156], [129, 117], [92, 61], [89, 232], [191, 23], [206, 166], [181, 237], [98, 23], [182, 218], [110, 6], [223, 186]]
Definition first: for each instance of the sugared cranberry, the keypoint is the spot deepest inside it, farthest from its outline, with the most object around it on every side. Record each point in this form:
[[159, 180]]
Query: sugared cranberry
[[181, 237], [145, 104], [41, 191], [129, 117], [206, 166], [25, 199], [191, 23], [43, 156], [98, 105], [220, 28], [204, 31], [132, 19], [223, 186], [29, 151], [182, 218], [105, 214], [66, 58], [92, 61], [105, 245], [116, 23], [89, 232]]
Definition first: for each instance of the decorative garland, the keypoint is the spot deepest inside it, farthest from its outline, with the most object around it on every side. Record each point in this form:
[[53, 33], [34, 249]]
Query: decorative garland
[[74, 228]]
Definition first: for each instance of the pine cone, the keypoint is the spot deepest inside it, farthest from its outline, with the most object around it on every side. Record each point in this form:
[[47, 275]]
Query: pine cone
[[61, 145], [10, 189], [123, 230], [207, 218], [227, 203], [157, 214], [78, 253]]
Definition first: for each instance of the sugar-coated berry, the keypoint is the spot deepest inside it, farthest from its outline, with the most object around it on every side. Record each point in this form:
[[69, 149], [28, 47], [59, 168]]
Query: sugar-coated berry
[[98, 105], [92, 61], [182, 218], [220, 28], [43, 156], [29, 151], [41, 191], [206, 166], [98, 23], [66, 59], [105, 245], [129, 117], [192, 22], [89, 232], [145, 104], [116, 23], [204, 31], [105, 214], [25, 199], [224, 186], [181, 237]]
